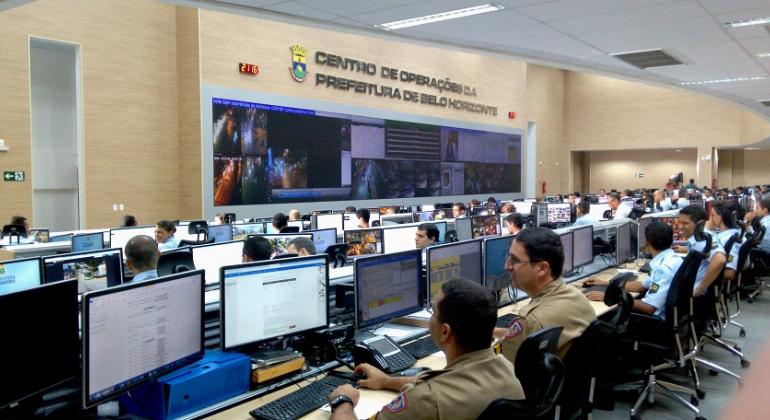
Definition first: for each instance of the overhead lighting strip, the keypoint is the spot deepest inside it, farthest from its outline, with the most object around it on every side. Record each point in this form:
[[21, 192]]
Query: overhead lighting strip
[[711, 82], [749, 22], [439, 17]]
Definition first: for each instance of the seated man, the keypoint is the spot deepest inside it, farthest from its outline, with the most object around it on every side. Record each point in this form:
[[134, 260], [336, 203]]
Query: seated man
[[763, 206], [535, 262], [142, 258], [458, 210], [280, 221], [515, 223], [301, 246], [620, 210], [720, 224], [363, 218], [583, 215], [663, 267], [709, 269], [462, 318], [257, 248], [426, 235]]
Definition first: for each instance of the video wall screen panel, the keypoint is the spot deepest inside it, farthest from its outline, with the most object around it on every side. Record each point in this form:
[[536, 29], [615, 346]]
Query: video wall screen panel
[[265, 154]]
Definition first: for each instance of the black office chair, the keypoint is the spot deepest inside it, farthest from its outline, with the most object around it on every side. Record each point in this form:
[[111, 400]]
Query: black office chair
[[541, 374], [376, 223], [284, 256], [760, 263], [290, 229], [14, 231], [450, 236], [184, 242], [199, 228], [229, 218], [607, 214], [337, 254], [176, 261]]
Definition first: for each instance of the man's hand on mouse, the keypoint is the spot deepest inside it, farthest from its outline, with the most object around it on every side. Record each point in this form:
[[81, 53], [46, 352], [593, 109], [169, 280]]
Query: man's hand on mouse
[[595, 282], [375, 378]]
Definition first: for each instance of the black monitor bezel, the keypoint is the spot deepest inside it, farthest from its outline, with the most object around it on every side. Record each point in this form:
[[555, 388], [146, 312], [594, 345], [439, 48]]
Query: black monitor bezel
[[39, 270], [79, 254], [222, 300], [586, 227], [630, 249], [433, 249], [81, 235], [192, 250], [86, 403]]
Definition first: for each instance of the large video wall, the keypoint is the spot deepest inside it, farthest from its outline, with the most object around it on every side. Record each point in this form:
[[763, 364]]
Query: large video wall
[[273, 154]]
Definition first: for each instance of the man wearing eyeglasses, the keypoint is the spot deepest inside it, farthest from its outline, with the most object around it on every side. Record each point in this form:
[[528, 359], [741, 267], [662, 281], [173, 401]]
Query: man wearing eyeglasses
[[535, 260]]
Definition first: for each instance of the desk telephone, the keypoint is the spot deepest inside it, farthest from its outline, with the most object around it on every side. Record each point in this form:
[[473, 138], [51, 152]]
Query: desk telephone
[[383, 353]]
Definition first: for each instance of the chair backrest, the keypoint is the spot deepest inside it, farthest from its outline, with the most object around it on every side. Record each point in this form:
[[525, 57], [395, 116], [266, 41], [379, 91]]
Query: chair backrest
[[186, 242], [616, 295], [607, 214], [530, 359], [175, 261], [284, 256], [450, 236], [290, 229], [19, 231], [197, 227], [336, 254], [679, 299], [229, 218]]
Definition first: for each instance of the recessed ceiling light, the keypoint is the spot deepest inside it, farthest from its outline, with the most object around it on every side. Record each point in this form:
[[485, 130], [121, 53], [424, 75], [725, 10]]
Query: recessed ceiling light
[[748, 22], [438, 17], [710, 82], [763, 55]]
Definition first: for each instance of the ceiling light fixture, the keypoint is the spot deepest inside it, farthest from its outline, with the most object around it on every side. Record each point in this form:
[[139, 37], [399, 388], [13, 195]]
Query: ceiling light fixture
[[763, 55], [749, 22], [710, 82], [438, 17]]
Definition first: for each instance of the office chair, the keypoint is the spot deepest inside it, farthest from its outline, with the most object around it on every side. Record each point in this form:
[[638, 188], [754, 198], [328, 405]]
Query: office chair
[[14, 231], [337, 254], [450, 236], [284, 256], [176, 261], [199, 228], [759, 262], [376, 223], [229, 218], [290, 229], [731, 289], [541, 374], [184, 242], [607, 214]]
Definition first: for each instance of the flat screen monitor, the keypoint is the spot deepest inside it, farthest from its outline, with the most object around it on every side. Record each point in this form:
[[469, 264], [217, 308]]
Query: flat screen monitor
[[441, 214], [642, 238], [212, 257], [259, 301], [400, 238], [281, 241], [134, 333], [583, 246], [94, 270], [559, 212], [387, 286], [18, 275], [482, 226], [39, 235], [567, 245], [41, 329], [241, 231], [495, 252], [350, 221], [363, 242], [623, 243], [326, 221], [451, 261], [597, 210], [323, 238], [424, 216], [221, 233], [269, 229], [67, 237], [396, 219], [463, 229], [119, 237], [88, 242]]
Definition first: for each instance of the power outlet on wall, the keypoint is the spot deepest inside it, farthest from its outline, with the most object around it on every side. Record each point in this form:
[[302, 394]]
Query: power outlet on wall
[[121, 207], [114, 207]]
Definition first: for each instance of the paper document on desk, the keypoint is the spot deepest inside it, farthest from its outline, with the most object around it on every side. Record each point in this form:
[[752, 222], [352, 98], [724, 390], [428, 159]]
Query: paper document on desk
[[625, 270], [368, 406]]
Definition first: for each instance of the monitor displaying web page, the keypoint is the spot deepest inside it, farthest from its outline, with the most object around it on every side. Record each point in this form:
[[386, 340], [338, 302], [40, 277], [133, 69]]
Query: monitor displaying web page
[[136, 332], [559, 212], [88, 242], [583, 246], [399, 238], [221, 233], [259, 300], [93, 270], [455, 260], [495, 253], [212, 257], [18, 275], [387, 286]]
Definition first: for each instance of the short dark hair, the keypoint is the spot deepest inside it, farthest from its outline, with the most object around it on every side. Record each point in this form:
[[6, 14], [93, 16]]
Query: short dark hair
[[765, 203], [543, 244], [350, 209], [470, 310], [613, 196], [628, 193], [722, 208], [695, 212], [142, 251], [129, 220], [280, 221], [584, 207], [659, 235], [301, 242], [18, 220], [430, 230], [491, 200], [257, 248], [167, 225], [363, 214], [460, 206], [515, 219]]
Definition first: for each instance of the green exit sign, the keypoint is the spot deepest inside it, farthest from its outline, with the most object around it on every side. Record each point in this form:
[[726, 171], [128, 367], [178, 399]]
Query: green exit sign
[[13, 176]]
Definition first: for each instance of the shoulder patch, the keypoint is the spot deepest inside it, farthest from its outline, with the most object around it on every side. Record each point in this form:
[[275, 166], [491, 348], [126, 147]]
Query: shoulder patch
[[398, 405], [654, 287], [730, 258], [515, 329]]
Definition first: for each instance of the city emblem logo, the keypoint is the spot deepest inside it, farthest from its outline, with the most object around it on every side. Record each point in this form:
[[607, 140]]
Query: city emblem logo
[[298, 68]]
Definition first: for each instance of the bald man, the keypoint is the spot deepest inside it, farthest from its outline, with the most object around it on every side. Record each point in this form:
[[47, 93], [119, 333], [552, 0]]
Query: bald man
[[142, 258]]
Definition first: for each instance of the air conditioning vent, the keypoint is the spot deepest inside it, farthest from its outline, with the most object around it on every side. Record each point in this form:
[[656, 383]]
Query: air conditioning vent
[[647, 59], [765, 102]]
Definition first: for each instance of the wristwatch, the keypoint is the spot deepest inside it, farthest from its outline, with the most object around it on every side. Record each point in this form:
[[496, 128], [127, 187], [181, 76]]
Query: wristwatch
[[339, 400]]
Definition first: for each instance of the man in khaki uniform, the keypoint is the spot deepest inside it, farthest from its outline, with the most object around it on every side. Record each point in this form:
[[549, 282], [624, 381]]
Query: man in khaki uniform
[[535, 261], [463, 317]]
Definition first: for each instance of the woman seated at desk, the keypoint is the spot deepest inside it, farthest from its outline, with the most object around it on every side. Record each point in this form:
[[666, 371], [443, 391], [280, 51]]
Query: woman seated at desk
[[164, 235]]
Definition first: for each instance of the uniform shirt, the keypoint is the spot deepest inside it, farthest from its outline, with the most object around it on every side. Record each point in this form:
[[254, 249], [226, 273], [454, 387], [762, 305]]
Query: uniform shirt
[[585, 219], [682, 203], [145, 275], [724, 236], [662, 270], [170, 244], [622, 211], [462, 390], [664, 205], [764, 246], [716, 248], [556, 305]]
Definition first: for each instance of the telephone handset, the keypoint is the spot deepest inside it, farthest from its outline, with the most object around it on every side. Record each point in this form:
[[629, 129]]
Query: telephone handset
[[383, 353]]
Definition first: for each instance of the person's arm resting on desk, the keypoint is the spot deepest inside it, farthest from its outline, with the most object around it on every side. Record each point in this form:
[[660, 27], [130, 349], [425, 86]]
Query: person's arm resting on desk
[[377, 379], [635, 286]]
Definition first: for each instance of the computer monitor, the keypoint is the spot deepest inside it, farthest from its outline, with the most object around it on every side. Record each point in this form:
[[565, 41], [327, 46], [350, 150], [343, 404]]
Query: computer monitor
[[399, 238], [387, 286], [326, 221], [88, 242], [18, 275], [396, 219], [212, 257], [495, 253], [93, 270], [582, 246], [455, 260], [281, 241], [350, 221], [119, 237], [221, 233], [134, 333], [482, 226], [363, 242], [242, 230], [296, 223], [323, 238], [559, 212], [623, 243], [39, 235], [424, 216], [567, 245], [260, 301], [41, 329], [67, 237], [642, 238], [463, 229]]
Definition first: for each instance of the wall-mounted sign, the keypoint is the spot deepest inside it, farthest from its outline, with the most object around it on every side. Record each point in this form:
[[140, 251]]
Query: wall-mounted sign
[[247, 68], [13, 176], [298, 68]]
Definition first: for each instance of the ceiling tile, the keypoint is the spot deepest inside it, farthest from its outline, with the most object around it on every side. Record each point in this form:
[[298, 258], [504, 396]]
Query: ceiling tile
[[744, 15], [656, 35], [352, 7], [744, 32], [727, 6], [296, 9], [756, 45], [564, 9]]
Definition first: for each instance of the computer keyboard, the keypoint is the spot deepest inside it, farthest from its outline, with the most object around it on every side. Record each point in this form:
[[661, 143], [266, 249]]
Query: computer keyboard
[[505, 320], [301, 402], [421, 347]]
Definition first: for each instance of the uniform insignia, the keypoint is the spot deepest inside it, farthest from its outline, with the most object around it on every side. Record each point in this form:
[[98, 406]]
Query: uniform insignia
[[515, 329], [730, 258], [397, 405], [654, 288], [298, 68]]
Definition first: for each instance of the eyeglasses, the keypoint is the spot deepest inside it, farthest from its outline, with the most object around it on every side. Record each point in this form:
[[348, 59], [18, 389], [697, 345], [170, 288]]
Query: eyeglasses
[[513, 260]]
